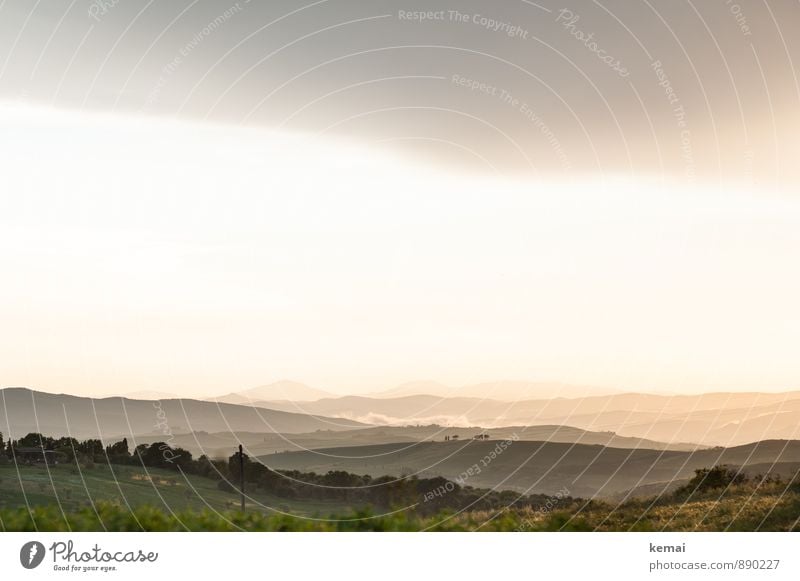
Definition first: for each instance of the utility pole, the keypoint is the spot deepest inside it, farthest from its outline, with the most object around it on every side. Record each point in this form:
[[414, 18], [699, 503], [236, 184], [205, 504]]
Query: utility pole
[[241, 473]]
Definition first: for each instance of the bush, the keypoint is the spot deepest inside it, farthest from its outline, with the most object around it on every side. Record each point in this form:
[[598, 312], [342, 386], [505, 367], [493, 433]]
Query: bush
[[716, 478]]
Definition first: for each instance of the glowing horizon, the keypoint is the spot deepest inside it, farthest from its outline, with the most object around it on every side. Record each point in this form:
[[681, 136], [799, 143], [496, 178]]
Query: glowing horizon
[[197, 259]]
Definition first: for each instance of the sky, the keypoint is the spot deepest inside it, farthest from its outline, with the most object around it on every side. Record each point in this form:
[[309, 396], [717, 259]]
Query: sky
[[200, 198]]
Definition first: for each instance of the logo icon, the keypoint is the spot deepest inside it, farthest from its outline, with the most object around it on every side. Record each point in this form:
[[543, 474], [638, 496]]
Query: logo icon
[[31, 554]]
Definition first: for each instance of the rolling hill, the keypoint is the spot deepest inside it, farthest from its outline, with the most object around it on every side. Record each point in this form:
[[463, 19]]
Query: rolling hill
[[23, 411], [538, 467], [221, 445]]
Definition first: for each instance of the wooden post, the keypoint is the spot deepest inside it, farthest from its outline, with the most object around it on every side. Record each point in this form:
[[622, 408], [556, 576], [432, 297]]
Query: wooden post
[[241, 473]]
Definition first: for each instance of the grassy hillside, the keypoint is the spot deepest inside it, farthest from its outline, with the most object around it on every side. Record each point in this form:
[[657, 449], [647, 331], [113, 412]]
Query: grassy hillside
[[91, 496], [132, 486]]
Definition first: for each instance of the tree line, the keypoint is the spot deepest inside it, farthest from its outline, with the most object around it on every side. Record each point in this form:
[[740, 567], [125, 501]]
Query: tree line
[[424, 495]]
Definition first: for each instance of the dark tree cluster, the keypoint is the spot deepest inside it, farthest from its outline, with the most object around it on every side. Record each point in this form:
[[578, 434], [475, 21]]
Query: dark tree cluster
[[68, 448], [92, 451]]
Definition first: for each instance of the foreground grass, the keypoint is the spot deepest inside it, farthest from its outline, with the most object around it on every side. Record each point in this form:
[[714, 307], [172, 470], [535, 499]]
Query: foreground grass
[[747, 507], [743, 508], [129, 498]]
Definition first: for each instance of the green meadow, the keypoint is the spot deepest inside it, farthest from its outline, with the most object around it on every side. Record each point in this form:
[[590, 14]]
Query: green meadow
[[68, 488], [126, 498]]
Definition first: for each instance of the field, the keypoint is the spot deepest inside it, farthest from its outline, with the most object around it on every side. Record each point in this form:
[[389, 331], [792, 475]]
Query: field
[[122, 499]]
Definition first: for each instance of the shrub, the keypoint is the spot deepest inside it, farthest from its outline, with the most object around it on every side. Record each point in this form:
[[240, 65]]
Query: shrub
[[716, 478]]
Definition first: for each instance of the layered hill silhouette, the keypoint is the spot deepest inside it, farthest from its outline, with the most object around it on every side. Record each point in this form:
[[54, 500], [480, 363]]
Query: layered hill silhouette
[[710, 419], [24, 410], [220, 445], [538, 467], [634, 420]]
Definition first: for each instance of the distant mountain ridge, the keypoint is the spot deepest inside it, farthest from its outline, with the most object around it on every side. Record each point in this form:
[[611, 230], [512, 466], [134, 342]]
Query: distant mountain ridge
[[712, 419], [293, 391], [498, 390], [278, 391]]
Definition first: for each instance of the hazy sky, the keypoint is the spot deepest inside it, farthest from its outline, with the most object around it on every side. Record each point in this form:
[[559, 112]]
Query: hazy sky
[[200, 197]]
